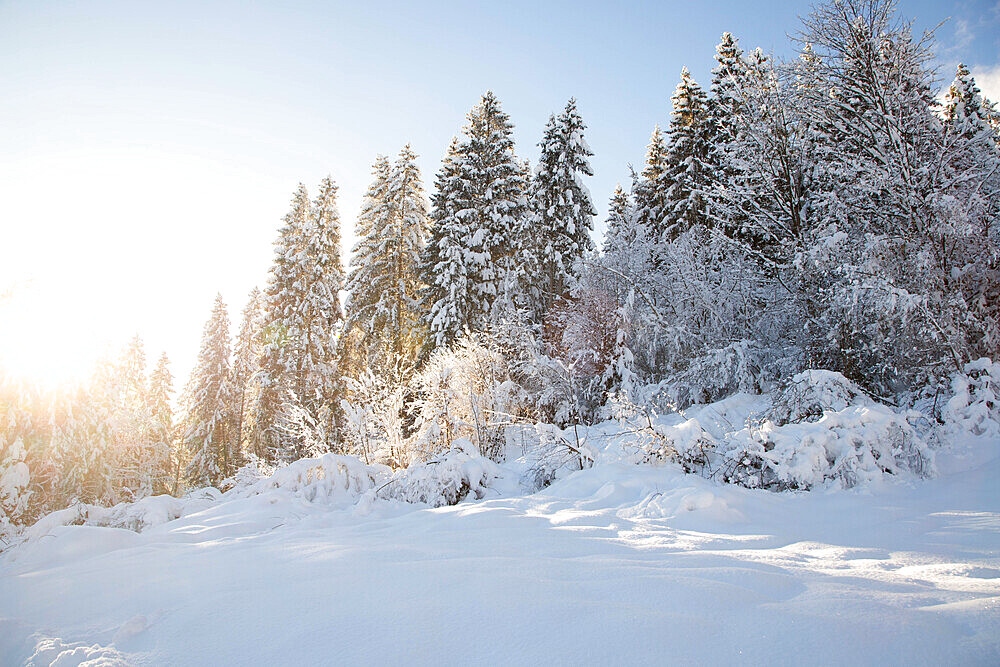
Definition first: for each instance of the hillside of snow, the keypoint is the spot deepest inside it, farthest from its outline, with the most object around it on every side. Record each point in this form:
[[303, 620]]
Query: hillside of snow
[[616, 564]]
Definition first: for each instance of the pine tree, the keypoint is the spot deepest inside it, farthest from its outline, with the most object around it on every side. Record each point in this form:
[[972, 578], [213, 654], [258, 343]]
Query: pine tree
[[161, 463], [649, 190], [620, 226], [562, 212], [384, 316], [447, 190], [973, 157], [208, 432], [246, 368], [480, 237], [685, 180], [299, 365]]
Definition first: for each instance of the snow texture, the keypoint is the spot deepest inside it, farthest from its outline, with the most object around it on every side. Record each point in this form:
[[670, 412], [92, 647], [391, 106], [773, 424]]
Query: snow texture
[[618, 563]]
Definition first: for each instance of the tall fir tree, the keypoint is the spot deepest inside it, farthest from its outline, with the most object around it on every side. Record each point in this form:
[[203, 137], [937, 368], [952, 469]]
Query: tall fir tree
[[163, 467], [479, 239], [299, 364], [686, 177], [620, 227], [384, 313], [208, 432], [562, 211], [245, 375], [649, 189]]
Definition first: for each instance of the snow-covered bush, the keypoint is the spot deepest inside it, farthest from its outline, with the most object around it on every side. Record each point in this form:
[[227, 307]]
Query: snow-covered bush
[[857, 444], [444, 480], [249, 474], [326, 478], [470, 390], [687, 444], [14, 481], [549, 451], [975, 408], [812, 393], [374, 421]]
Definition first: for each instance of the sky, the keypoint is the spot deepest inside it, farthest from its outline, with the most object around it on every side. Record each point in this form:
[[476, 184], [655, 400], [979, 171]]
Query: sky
[[148, 150]]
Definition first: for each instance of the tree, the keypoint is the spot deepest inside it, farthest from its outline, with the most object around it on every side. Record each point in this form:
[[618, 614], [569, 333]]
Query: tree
[[384, 316], [562, 212], [649, 191], [245, 374], [209, 432], [685, 179], [482, 233], [620, 226], [160, 434], [299, 361]]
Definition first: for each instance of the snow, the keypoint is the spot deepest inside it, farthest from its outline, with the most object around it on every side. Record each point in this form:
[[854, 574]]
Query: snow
[[619, 563]]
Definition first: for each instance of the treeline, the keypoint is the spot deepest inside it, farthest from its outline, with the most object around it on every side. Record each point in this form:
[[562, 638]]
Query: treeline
[[821, 213]]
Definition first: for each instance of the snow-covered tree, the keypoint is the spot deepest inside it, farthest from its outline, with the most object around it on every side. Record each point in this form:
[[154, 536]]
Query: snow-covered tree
[[619, 228], [478, 238], [245, 375], [299, 358], [161, 470], [384, 316], [687, 153], [209, 433], [562, 212], [649, 189]]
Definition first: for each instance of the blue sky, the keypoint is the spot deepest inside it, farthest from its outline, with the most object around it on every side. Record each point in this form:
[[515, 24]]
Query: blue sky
[[149, 149]]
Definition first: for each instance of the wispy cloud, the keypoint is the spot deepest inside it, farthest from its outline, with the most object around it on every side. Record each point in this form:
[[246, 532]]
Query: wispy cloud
[[988, 80]]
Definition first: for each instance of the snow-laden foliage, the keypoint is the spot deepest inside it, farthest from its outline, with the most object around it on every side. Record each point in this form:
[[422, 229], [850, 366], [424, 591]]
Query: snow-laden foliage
[[477, 233], [299, 353], [812, 393], [819, 429], [329, 478], [561, 213], [14, 480], [443, 480], [855, 445], [975, 407]]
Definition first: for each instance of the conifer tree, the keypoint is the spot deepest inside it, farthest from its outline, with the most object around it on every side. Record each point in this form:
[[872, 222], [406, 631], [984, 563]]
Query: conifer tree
[[480, 237], [620, 227], [562, 212], [686, 177], [384, 317], [246, 367], [649, 190], [447, 188], [208, 432], [299, 365], [161, 427]]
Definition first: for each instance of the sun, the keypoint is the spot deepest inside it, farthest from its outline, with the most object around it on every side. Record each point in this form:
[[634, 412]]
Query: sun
[[42, 337]]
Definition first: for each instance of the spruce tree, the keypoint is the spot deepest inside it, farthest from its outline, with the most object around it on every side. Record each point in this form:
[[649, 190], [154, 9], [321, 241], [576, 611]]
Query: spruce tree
[[562, 212], [299, 364], [384, 316], [685, 179], [479, 240], [161, 427], [620, 227], [208, 432], [245, 375], [650, 189]]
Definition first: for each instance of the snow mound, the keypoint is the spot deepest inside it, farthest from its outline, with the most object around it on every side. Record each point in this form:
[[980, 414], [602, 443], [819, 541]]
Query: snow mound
[[446, 480], [812, 393], [330, 479], [700, 503], [856, 445]]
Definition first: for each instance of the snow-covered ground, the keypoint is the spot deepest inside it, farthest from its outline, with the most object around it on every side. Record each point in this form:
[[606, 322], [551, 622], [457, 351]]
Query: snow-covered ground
[[617, 564]]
